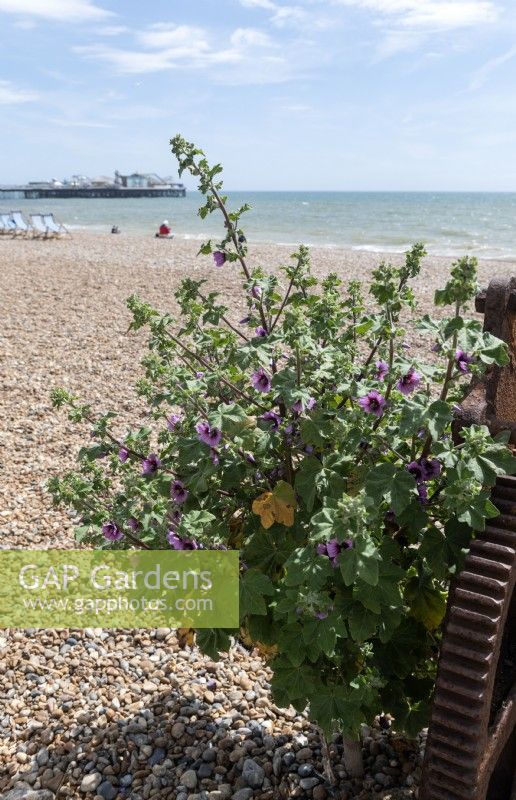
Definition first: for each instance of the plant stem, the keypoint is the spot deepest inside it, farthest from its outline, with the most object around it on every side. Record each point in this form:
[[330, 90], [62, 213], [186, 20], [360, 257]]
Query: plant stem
[[209, 367], [447, 380], [226, 320], [353, 760], [284, 302], [231, 229]]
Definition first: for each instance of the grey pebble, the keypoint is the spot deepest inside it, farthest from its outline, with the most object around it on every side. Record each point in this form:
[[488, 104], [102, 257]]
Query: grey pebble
[[252, 773]]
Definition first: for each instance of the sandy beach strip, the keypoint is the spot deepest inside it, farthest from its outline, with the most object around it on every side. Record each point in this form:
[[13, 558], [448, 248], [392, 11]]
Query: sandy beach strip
[[64, 323]]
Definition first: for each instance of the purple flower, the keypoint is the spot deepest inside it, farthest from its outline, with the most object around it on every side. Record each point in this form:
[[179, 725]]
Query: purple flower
[[431, 468], [272, 416], [133, 523], [173, 421], [177, 543], [321, 614], [261, 331], [214, 456], [422, 493], [463, 360], [256, 292], [298, 407], [199, 374], [382, 368], [311, 403], [207, 434], [409, 382], [416, 470], [111, 532], [426, 469], [123, 454], [151, 464], [261, 381], [178, 491], [219, 258], [250, 458], [373, 403], [332, 548]]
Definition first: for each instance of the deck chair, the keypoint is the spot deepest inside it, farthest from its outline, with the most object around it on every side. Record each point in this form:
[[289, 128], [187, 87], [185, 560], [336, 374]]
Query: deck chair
[[38, 226], [21, 226], [52, 225], [8, 225]]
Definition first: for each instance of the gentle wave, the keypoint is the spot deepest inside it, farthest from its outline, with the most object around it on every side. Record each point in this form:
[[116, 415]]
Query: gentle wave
[[451, 224]]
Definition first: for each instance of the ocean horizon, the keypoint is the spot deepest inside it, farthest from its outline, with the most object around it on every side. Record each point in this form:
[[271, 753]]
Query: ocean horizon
[[481, 224]]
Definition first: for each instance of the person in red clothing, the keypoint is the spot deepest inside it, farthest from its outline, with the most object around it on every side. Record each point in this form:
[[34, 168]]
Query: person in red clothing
[[164, 231]]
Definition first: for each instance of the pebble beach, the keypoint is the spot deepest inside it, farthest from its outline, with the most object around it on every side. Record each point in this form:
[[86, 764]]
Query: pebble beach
[[111, 714]]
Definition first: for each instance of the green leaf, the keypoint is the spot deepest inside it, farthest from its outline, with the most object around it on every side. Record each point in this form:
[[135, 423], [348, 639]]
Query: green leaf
[[332, 710], [402, 491], [253, 586], [284, 492], [326, 523], [400, 654], [197, 522], [305, 481], [360, 561], [314, 432], [291, 643], [362, 623], [291, 684], [305, 566], [213, 642], [438, 417], [268, 550], [427, 603], [378, 482]]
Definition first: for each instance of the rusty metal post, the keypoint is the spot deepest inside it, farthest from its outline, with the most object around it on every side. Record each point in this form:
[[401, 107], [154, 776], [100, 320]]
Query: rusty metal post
[[471, 745]]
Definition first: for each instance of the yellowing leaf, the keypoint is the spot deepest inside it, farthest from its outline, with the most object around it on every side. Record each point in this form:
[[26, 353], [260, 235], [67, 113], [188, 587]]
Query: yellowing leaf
[[185, 636], [272, 508], [427, 604], [267, 651]]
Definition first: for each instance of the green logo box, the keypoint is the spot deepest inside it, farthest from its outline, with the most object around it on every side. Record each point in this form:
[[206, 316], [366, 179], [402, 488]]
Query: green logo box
[[119, 589]]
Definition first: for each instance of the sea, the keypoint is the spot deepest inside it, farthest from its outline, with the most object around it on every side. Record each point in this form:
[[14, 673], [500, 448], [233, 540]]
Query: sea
[[482, 224]]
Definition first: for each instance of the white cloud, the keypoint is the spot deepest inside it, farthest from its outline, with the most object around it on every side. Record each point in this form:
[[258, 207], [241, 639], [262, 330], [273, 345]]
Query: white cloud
[[283, 15], [250, 37], [112, 30], [267, 4], [398, 41], [11, 95], [183, 39], [126, 62], [60, 10], [481, 75], [77, 123], [171, 47], [434, 14]]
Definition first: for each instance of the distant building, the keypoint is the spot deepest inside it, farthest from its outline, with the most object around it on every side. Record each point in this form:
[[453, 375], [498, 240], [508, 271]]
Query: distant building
[[102, 180], [138, 184], [143, 180]]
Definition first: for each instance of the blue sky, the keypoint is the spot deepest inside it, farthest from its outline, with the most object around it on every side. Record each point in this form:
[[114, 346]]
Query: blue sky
[[305, 94]]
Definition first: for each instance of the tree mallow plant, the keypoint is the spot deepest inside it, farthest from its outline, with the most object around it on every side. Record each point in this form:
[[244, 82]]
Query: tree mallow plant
[[310, 438]]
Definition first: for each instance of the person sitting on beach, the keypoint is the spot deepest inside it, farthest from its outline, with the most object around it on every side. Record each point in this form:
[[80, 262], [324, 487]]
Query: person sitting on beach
[[164, 231], [115, 229]]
